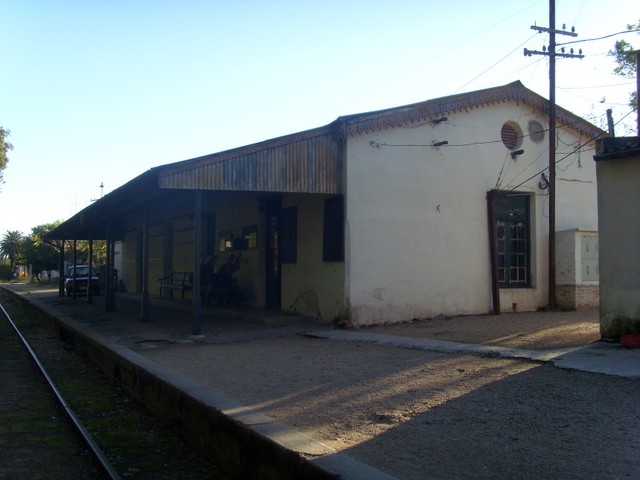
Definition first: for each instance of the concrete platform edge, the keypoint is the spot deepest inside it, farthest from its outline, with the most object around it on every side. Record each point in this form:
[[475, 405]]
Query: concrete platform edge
[[244, 443]]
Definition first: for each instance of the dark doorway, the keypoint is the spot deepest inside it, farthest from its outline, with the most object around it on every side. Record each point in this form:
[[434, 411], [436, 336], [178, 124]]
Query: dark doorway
[[272, 208]]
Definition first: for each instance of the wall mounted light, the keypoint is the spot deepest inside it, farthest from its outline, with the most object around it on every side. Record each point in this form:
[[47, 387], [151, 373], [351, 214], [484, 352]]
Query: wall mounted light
[[439, 120], [515, 153]]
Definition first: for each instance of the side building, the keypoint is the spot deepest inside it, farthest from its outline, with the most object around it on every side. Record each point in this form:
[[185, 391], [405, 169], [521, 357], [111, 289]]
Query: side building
[[618, 170]]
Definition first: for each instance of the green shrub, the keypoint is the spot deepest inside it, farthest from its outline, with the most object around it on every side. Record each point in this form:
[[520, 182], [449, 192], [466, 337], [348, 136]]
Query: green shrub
[[5, 272]]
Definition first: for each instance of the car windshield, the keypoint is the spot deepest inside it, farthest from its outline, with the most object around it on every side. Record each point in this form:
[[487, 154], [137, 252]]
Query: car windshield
[[81, 272]]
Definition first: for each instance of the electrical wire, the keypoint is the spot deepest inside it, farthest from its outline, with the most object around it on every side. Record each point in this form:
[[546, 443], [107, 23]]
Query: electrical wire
[[531, 163], [440, 53], [375, 144], [598, 38], [598, 86], [485, 71], [571, 153], [578, 149]]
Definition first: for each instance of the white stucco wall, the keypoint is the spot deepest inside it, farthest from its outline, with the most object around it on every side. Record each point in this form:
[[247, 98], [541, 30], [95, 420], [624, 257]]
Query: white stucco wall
[[576, 185], [416, 216]]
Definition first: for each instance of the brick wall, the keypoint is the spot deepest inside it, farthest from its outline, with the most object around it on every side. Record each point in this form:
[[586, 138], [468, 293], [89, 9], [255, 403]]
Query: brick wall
[[577, 297]]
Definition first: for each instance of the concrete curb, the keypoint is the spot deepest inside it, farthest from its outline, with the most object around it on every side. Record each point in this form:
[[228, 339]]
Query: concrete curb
[[607, 358]]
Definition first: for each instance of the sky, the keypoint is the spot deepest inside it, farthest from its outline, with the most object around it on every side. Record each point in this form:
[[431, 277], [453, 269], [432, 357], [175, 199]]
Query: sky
[[96, 92]]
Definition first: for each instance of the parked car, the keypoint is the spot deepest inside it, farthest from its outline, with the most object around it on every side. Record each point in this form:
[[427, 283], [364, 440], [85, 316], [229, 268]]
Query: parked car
[[81, 281]]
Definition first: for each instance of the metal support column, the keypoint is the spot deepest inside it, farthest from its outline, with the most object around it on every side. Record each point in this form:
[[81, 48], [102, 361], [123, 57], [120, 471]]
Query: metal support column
[[90, 273], [61, 270], [110, 297], [196, 329], [144, 313], [75, 262]]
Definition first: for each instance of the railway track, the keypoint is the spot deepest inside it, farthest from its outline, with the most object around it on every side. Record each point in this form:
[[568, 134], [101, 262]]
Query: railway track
[[101, 460], [60, 418]]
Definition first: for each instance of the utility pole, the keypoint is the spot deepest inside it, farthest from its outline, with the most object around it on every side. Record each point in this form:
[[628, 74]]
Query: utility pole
[[552, 54], [610, 124], [638, 89]]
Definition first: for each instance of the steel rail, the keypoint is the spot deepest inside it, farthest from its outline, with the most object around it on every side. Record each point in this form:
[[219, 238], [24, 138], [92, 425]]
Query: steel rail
[[97, 452]]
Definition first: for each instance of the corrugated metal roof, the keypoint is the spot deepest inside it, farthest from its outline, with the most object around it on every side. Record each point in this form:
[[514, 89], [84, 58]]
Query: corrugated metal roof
[[307, 162]]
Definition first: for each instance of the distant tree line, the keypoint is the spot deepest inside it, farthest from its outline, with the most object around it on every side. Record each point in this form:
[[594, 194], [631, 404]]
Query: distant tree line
[[39, 255]]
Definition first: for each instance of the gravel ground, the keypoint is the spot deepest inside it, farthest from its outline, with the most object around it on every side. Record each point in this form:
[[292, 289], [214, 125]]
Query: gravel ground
[[417, 414]]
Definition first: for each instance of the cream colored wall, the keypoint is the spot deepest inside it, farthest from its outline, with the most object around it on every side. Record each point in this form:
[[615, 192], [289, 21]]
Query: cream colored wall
[[618, 199], [235, 210], [129, 272], [416, 217], [311, 285], [156, 270]]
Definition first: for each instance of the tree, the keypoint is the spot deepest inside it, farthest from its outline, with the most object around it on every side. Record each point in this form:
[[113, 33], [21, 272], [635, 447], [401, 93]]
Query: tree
[[37, 253], [10, 247], [82, 250], [625, 56], [5, 146]]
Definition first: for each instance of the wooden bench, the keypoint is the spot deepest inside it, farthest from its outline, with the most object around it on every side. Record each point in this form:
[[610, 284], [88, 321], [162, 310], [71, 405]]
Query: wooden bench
[[181, 281]]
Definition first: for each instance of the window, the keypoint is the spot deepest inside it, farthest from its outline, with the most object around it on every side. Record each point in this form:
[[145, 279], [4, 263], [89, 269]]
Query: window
[[250, 236], [513, 244], [333, 235], [225, 241]]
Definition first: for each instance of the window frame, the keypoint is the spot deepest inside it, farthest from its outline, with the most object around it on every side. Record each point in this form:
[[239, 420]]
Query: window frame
[[513, 240]]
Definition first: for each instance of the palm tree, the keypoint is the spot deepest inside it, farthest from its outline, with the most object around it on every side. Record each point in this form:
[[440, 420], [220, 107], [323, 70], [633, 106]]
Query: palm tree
[[10, 247]]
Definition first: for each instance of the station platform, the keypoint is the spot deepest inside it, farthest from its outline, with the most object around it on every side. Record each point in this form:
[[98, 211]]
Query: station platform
[[271, 394]]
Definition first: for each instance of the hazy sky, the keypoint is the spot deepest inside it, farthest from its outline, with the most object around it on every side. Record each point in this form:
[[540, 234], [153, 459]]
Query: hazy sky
[[97, 92]]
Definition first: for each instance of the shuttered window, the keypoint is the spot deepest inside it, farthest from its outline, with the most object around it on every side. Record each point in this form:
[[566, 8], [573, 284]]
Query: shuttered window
[[333, 235]]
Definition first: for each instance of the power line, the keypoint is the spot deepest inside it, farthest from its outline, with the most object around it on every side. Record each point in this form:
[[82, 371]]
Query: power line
[[375, 144], [598, 38], [485, 71], [577, 149], [598, 86]]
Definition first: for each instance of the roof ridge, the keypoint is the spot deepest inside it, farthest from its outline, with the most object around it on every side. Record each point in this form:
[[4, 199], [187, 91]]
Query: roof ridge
[[434, 108]]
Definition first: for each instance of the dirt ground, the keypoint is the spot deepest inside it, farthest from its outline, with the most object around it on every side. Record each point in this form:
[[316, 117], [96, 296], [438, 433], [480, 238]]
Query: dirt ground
[[418, 414]]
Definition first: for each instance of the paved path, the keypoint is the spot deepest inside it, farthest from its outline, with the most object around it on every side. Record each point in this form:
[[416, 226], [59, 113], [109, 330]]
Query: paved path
[[600, 357]]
